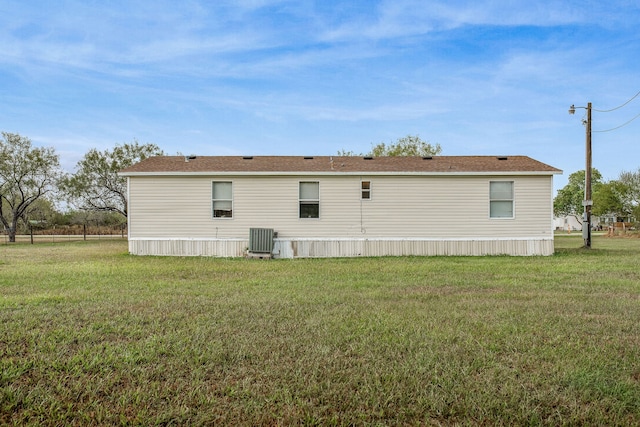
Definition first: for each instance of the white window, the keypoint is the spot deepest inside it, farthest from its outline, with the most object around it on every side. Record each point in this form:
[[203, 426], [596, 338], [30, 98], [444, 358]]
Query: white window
[[309, 196], [501, 199], [365, 187], [222, 199]]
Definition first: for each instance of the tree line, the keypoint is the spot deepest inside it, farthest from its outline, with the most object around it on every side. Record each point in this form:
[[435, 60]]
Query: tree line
[[32, 182], [617, 197]]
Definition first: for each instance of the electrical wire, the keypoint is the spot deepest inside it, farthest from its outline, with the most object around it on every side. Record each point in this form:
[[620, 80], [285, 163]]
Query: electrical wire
[[617, 127], [618, 107]]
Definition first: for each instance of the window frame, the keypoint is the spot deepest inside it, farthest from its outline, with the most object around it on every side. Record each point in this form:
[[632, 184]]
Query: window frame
[[364, 191], [214, 200], [511, 200], [302, 201]]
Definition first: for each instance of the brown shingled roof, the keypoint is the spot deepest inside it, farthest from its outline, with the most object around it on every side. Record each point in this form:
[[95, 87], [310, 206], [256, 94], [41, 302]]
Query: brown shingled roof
[[327, 164]]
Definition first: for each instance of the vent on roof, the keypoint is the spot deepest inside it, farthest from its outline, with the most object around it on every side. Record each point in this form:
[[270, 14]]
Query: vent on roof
[[189, 157], [308, 157], [502, 158], [368, 158], [427, 158], [247, 157]]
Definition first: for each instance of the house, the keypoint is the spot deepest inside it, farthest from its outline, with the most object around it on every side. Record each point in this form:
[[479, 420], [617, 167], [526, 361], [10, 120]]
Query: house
[[322, 206], [610, 221], [569, 223], [615, 222]]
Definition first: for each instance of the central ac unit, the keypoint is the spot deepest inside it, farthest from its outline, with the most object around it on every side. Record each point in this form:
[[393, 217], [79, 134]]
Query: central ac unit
[[261, 240]]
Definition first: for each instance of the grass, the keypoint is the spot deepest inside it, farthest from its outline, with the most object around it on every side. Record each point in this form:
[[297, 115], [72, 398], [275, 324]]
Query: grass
[[93, 336]]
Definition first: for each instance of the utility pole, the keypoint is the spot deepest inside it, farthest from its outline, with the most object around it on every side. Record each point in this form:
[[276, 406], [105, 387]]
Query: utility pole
[[588, 202]]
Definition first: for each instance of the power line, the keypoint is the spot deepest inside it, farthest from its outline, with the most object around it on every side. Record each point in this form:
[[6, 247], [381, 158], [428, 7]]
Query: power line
[[618, 127], [618, 107]]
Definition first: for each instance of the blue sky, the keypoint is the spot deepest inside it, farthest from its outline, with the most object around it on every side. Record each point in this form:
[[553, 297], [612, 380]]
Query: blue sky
[[314, 77]]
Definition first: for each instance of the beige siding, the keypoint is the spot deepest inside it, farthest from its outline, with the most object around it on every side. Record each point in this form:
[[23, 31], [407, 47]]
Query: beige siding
[[406, 207]]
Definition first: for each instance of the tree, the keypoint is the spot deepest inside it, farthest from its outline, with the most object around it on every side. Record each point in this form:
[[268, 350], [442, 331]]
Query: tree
[[630, 189], [409, 145], [608, 199], [26, 174], [96, 185], [569, 199], [631, 183], [41, 212]]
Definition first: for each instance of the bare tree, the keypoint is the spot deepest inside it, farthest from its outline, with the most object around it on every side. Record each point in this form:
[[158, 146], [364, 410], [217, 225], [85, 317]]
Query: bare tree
[[26, 174], [96, 185]]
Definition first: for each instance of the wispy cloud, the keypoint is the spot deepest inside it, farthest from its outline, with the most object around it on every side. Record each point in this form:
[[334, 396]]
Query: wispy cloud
[[407, 18]]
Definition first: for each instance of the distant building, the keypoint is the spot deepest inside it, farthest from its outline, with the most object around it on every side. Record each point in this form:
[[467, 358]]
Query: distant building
[[569, 223]]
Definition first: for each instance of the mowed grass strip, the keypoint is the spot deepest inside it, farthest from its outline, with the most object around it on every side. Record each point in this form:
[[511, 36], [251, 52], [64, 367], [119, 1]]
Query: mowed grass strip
[[91, 336]]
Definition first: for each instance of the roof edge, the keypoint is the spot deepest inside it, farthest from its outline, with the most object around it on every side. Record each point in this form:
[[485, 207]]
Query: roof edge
[[338, 173]]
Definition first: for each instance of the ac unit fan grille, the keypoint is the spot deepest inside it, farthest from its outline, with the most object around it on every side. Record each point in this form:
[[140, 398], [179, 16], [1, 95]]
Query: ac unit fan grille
[[261, 240]]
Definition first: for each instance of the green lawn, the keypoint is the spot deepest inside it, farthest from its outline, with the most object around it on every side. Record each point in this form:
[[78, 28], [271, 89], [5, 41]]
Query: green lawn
[[92, 336]]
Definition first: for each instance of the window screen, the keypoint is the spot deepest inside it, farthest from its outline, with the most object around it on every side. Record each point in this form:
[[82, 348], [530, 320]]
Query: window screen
[[501, 199], [222, 197], [309, 195]]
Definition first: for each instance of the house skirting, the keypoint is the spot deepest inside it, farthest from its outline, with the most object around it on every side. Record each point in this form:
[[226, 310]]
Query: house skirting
[[343, 247]]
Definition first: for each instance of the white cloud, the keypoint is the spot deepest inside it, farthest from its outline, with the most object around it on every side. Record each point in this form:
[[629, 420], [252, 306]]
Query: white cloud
[[407, 18]]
